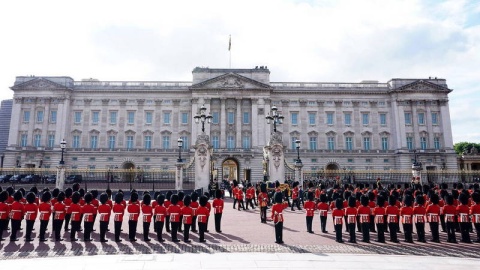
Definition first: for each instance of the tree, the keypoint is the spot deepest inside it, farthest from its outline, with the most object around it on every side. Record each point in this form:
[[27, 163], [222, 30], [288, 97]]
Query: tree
[[462, 147]]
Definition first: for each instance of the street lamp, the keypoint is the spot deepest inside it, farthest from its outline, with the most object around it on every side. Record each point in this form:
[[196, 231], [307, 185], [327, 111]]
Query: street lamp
[[297, 145], [202, 117], [180, 145], [63, 145], [275, 118]]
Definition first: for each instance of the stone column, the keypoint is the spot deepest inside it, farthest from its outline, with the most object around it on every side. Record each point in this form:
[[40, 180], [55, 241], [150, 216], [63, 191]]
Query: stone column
[[223, 124], [238, 124], [60, 181], [299, 173], [179, 176], [202, 162], [276, 158]]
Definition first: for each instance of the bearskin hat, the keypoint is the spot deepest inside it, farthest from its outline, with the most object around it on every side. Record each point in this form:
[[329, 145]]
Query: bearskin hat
[[174, 199], [147, 199], [75, 197], [278, 197], [203, 200], [103, 198], [187, 200]]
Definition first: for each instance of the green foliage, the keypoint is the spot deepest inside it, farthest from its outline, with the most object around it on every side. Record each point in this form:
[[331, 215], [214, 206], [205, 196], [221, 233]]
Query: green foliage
[[462, 147]]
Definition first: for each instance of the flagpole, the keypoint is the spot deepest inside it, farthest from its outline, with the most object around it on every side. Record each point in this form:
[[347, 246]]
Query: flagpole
[[230, 51]]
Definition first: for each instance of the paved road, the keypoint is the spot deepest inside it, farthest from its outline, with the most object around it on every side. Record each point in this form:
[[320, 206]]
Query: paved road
[[242, 232]]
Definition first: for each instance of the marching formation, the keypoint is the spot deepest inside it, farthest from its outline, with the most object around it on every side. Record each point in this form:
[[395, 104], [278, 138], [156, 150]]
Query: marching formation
[[394, 210], [75, 210]]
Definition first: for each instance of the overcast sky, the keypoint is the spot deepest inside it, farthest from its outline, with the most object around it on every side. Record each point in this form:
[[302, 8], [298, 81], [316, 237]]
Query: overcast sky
[[315, 41]]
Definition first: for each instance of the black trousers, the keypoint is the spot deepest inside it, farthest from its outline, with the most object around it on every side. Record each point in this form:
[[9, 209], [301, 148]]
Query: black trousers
[[132, 229], [408, 232], [218, 222], [180, 224], [380, 232], [167, 223], [296, 202], [117, 229], [146, 230], [442, 223], [393, 227], [194, 224], [477, 230], [434, 229], [28, 232], [323, 223], [57, 225], [88, 230], [351, 231], [338, 232], [103, 229], [309, 220], [250, 202], [234, 202], [15, 224], [202, 228], [465, 230], [174, 230], [263, 214], [279, 232], [451, 227], [67, 220], [359, 225], [75, 228], [186, 231], [420, 231], [159, 229], [366, 232], [43, 228], [3, 226]]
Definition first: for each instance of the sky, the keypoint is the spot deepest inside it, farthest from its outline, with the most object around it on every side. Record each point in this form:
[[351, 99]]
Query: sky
[[309, 41]]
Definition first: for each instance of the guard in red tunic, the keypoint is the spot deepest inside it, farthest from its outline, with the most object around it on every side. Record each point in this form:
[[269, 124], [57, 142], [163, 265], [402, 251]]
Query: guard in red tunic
[[295, 194], [379, 215], [45, 210], [250, 196], [277, 216], [118, 212], [475, 213], [406, 212], [351, 215], [133, 210], [323, 208], [181, 196], [31, 210], [419, 217], [337, 216], [209, 207], [217, 205], [463, 217], [240, 197], [67, 202], [160, 213], [17, 210], [433, 217], [75, 211], [202, 216], [175, 212], [4, 213], [88, 211], [309, 211], [234, 193], [53, 201], [167, 204], [392, 213], [194, 205], [104, 211], [147, 211], [58, 215], [187, 214], [263, 201], [363, 211]]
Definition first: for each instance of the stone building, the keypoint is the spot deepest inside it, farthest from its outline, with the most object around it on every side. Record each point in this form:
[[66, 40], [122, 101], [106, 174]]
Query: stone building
[[5, 114], [368, 125]]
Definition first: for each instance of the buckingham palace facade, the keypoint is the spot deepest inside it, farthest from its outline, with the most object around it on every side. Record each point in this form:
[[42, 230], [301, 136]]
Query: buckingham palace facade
[[368, 125]]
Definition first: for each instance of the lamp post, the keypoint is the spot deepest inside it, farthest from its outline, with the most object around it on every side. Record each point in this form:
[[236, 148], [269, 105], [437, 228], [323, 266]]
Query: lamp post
[[297, 145], [180, 145], [274, 118], [63, 145], [203, 117]]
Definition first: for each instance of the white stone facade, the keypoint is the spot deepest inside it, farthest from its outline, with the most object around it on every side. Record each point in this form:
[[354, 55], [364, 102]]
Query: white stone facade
[[354, 126]]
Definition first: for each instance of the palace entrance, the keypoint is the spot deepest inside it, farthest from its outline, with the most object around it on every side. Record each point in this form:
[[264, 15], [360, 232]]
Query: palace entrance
[[230, 170]]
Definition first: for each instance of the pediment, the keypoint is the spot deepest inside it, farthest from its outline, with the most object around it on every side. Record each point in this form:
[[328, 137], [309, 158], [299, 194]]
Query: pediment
[[422, 86], [39, 84], [230, 81]]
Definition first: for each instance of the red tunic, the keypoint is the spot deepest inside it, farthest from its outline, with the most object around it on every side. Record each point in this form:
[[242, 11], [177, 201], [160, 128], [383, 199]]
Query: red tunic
[[59, 211], [187, 215], [277, 210], [351, 214], [209, 207], [147, 211], [166, 204], [392, 213], [337, 215], [45, 209], [309, 208], [217, 206], [88, 211], [462, 212], [475, 212], [250, 193], [295, 193], [419, 214], [263, 199], [203, 213], [364, 213], [433, 213], [76, 210], [104, 211], [160, 213], [4, 210], [134, 211], [118, 210], [194, 206], [406, 213], [322, 209], [17, 209], [67, 202], [31, 210], [379, 213], [174, 211]]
